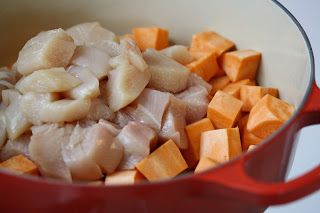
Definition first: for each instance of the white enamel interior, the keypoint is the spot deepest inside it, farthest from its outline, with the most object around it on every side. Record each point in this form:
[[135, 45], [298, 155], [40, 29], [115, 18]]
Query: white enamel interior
[[259, 25]]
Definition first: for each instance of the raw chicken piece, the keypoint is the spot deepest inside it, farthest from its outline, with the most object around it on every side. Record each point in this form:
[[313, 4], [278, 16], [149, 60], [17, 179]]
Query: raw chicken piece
[[45, 150], [9, 95], [7, 75], [89, 88], [82, 166], [151, 105], [53, 48], [112, 128], [174, 123], [94, 35], [166, 74], [98, 110], [32, 104], [122, 117], [138, 140], [196, 99], [130, 51], [42, 107], [16, 122], [92, 58], [125, 84], [179, 53], [48, 80], [103, 148], [195, 80], [3, 131], [16, 147]]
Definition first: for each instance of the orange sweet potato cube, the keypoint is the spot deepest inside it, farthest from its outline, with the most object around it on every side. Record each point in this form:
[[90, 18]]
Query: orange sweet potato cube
[[220, 145], [194, 130], [20, 164], [210, 42], [250, 95], [268, 115], [234, 88], [205, 67], [241, 64], [247, 138], [124, 177], [218, 83], [204, 164], [165, 162], [151, 37], [224, 110]]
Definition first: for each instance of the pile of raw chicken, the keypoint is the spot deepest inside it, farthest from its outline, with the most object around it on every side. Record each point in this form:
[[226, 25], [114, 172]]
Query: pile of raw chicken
[[81, 104]]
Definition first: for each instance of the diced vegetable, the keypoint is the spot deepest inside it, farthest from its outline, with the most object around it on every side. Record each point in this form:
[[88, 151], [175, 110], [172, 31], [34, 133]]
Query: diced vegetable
[[218, 83], [206, 66], [234, 88], [204, 164], [268, 115], [210, 42], [220, 145], [165, 162], [20, 164], [224, 110], [124, 177], [152, 37], [194, 130], [250, 95], [247, 138], [241, 64]]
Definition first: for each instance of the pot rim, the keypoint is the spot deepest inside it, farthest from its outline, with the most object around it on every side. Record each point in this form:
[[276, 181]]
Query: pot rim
[[184, 177]]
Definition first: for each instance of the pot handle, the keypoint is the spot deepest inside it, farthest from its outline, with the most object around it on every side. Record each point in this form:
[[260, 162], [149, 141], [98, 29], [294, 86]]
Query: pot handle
[[246, 187]]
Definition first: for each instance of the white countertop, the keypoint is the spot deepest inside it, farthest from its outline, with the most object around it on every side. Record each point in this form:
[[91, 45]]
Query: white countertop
[[308, 148]]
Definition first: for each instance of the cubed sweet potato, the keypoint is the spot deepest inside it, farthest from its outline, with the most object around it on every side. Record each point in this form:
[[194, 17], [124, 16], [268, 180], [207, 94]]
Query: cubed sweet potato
[[250, 95], [206, 66], [205, 163], [220, 145], [218, 83], [165, 162], [20, 164], [224, 110], [151, 37], [210, 42], [194, 130], [241, 64], [124, 177], [234, 88], [247, 138], [269, 114]]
